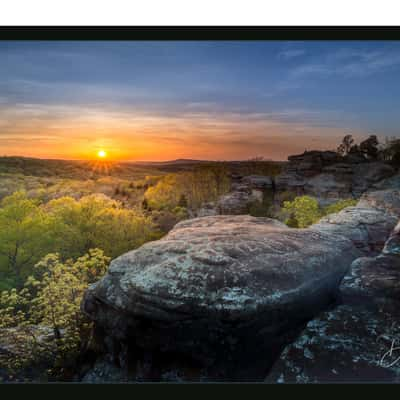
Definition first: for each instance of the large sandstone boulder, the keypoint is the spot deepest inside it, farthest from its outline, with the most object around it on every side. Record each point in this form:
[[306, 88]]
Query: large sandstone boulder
[[353, 342], [216, 298]]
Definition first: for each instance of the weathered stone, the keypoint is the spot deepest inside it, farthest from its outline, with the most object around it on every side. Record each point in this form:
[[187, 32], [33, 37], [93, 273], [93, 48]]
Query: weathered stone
[[207, 210], [346, 344], [367, 225], [387, 200], [327, 188], [389, 183], [365, 175], [331, 179], [222, 293], [357, 341], [235, 203]]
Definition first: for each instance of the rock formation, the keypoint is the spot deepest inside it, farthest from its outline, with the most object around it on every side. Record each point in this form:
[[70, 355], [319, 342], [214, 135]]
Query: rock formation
[[369, 223], [359, 340], [221, 296], [216, 298], [330, 178]]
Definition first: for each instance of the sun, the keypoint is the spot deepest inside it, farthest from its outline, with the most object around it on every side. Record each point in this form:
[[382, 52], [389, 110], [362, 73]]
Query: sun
[[101, 154]]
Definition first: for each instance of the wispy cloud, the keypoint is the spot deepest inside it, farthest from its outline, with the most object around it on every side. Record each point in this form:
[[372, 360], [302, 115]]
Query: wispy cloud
[[349, 63], [290, 53]]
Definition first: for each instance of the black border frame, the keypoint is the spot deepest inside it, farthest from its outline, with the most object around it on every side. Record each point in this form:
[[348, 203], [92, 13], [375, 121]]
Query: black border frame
[[200, 33], [185, 33]]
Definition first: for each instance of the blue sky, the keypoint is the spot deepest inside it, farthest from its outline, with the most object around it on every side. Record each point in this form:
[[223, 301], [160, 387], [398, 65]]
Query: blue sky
[[217, 100]]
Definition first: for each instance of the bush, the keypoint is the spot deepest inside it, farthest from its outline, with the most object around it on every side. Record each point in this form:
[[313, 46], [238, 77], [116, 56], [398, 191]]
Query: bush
[[43, 320], [336, 207], [304, 211]]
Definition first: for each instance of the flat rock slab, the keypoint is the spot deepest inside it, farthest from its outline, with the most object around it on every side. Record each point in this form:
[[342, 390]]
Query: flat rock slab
[[219, 289]]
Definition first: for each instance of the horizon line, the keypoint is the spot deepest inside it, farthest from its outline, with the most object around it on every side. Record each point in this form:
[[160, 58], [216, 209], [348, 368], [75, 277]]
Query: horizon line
[[137, 161]]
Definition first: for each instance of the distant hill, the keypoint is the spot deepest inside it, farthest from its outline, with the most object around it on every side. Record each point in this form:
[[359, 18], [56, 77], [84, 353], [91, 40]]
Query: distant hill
[[172, 162]]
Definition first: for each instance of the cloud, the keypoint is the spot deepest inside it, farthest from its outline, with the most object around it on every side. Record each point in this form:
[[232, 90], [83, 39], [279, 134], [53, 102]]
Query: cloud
[[291, 53], [349, 63]]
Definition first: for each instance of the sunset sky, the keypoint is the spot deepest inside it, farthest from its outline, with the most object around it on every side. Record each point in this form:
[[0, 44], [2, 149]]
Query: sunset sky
[[201, 100]]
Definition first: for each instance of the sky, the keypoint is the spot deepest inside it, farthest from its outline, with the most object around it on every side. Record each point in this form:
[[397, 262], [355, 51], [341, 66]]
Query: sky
[[211, 100]]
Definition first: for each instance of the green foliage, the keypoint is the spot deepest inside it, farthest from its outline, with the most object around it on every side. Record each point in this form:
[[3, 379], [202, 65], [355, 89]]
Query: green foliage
[[188, 189], [29, 230], [24, 234], [43, 320], [304, 211], [98, 221], [338, 206]]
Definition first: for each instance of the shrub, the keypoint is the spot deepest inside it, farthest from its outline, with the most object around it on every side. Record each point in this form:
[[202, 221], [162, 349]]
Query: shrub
[[336, 207], [43, 320], [302, 211]]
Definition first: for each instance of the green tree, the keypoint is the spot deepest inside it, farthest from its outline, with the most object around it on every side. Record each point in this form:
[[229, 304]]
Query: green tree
[[346, 145], [98, 221], [24, 234], [43, 320], [201, 185], [369, 147]]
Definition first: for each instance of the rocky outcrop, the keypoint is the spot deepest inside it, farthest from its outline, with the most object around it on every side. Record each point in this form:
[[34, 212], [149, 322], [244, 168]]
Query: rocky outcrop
[[217, 298], [387, 200], [235, 203], [221, 296], [312, 162], [330, 177], [245, 192], [389, 183], [359, 340], [369, 223], [366, 175]]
